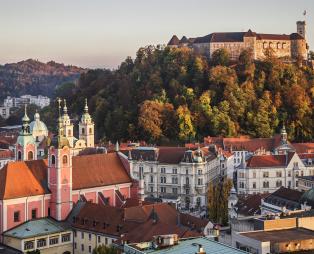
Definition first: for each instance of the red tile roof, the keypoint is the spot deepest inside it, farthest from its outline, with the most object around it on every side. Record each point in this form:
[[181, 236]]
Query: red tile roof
[[29, 178], [303, 147], [250, 205], [137, 224], [6, 154], [98, 170], [17, 180], [264, 161]]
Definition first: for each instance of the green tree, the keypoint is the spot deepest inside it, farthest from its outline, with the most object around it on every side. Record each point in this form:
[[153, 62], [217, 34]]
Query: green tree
[[102, 249], [186, 128], [218, 194], [220, 57]]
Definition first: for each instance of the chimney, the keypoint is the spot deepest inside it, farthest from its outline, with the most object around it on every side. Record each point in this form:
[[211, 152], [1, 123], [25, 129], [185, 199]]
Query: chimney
[[200, 250]]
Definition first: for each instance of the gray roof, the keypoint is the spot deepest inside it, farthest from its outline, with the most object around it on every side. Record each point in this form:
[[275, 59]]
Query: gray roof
[[34, 228], [190, 246]]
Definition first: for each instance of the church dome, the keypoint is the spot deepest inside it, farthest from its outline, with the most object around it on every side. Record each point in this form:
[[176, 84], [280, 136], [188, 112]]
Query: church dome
[[37, 127]]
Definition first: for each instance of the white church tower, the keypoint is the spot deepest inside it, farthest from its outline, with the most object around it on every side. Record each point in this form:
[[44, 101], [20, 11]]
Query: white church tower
[[86, 127], [67, 125]]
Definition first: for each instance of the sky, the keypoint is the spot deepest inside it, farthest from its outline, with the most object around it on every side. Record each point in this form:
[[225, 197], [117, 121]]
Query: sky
[[102, 33]]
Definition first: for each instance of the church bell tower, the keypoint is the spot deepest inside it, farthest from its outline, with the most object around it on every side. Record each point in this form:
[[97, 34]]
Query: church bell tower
[[86, 127]]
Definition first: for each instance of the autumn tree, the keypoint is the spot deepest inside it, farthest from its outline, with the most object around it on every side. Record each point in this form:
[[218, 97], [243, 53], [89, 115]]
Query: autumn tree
[[220, 57], [103, 249], [218, 194], [186, 128]]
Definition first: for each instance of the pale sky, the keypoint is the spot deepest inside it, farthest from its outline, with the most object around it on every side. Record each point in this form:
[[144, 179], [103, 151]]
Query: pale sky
[[102, 33]]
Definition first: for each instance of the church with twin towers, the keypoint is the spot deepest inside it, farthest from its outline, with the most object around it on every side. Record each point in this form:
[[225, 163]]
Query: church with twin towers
[[34, 136]]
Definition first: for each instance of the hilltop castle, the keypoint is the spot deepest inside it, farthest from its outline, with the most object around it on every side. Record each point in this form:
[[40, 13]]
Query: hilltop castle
[[290, 46]]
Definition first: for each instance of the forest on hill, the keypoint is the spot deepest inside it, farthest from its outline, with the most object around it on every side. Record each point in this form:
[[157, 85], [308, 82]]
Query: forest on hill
[[34, 77], [171, 96]]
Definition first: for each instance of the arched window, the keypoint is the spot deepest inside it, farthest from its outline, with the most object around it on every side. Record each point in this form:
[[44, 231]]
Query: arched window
[[30, 155], [187, 180], [65, 159], [53, 160], [270, 45], [278, 45], [90, 131], [69, 132], [83, 130], [265, 45], [19, 155]]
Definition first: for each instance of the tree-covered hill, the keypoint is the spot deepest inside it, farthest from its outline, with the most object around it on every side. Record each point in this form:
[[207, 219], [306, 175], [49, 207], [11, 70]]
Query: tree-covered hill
[[173, 95], [34, 77]]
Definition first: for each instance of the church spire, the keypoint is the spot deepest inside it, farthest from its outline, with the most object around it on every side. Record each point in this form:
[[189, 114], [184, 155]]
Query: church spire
[[25, 121], [65, 108], [59, 118], [86, 107]]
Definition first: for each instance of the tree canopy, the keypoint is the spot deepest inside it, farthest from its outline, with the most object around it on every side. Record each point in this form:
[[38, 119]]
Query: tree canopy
[[176, 95]]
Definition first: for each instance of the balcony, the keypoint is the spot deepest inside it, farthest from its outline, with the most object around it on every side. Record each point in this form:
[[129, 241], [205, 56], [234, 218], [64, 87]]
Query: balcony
[[186, 186]]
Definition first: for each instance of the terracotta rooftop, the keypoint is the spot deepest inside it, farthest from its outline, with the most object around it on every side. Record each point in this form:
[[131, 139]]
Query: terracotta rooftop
[[265, 161], [23, 178], [98, 170], [6, 154], [139, 223], [29, 178], [303, 147]]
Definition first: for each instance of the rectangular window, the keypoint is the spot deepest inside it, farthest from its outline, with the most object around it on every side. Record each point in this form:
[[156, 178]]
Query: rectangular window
[[186, 171], [90, 249], [16, 216], [82, 235], [82, 247], [289, 173], [199, 172], [163, 170], [89, 236], [174, 190], [254, 174], [66, 238], [106, 241], [41, 242], [278, 174], [28, 245], [99, 239], [151, 189], [75, 233], [278, 184], [254, 185], [265, 184], [151, 179], [54, 240], [75, 246], [265, 174], [162, 189], [34, 213], [151, 170], [174, 171]]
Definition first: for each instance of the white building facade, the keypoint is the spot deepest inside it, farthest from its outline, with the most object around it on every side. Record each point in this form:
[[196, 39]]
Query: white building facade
[[175, 172], [267, 173]]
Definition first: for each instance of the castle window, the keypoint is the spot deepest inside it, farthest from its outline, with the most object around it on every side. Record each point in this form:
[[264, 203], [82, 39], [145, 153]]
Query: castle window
[[90, 131], [19, 155], [65, 159], [53, 159], [83, 130], [278, 45], [264, 45], [30, 155]]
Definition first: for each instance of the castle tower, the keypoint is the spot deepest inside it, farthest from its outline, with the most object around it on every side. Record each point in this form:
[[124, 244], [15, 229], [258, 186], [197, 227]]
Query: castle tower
[[67, 125], [86, 128], [25, 148], [301, 25], [60, 174]]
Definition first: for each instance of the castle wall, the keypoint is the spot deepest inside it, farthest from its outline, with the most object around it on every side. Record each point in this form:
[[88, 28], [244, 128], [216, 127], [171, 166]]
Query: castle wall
[[234, 48], [281, 48]]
